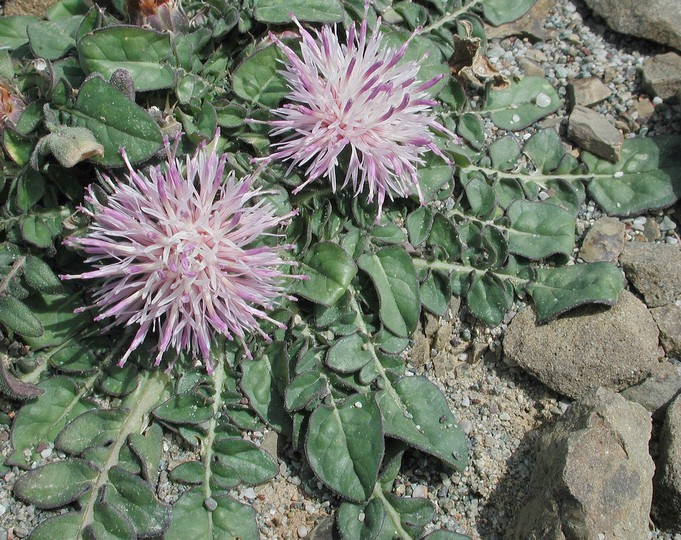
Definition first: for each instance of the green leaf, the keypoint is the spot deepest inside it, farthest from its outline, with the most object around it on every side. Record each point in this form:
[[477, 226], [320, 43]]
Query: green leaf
[[444, 237], [305, 388], [499, 12], [109, 523], [349, 354], [522, 103], [15, 316], [142, 52], [257, 78], [56, 484], [557, 290], [187, 408], [392, 273], [538, 230], [360, 521], [52, 40], [504, 153], [279, 11], [40, 276], [17, 146], [416, 412], [418, 225], [545, 149], [252, 464], [345, 445], [30, 189], [36, 230], [120, 381], [116, 122], [481, 197], [436, 293], [489, 298], [13, 30], [56, 314], [433, 176], [228, 519], [388, 234], [98, 427], [138, 502], [471, 129], [414, 512], [148, 448], [43, 419], [329, 270], [63, 526], [647, 176], [264, 381], [189, 473]]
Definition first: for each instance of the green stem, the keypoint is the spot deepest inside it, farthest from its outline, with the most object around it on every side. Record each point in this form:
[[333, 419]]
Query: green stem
[[539, 179], [141, 402], [207, 443], [452, 16], [448, 267], [392, 513]]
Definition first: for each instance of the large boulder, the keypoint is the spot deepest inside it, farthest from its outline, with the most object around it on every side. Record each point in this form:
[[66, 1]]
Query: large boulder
[[593, 475], [656, 20], [591, 347]]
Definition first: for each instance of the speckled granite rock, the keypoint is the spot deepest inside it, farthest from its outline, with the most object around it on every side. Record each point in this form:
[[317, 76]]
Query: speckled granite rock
[[575, 354]]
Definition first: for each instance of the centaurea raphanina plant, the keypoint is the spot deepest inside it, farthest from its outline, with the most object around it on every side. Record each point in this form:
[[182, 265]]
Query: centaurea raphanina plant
[[336, 380], [178, 252], [356, 98]]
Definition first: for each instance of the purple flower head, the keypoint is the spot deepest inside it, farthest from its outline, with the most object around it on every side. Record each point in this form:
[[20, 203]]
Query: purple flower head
[[179, 253], [355, 96]]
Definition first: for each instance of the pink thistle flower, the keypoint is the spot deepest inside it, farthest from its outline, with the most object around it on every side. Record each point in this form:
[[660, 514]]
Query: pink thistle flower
[[11, 106], [180, 252], [356, 96]]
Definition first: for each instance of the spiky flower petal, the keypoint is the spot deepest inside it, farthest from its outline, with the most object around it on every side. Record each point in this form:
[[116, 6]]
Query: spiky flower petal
[[179, 253], [356, 96]]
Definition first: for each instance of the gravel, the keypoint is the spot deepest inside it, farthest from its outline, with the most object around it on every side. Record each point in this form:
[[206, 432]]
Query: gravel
[[502, 409]]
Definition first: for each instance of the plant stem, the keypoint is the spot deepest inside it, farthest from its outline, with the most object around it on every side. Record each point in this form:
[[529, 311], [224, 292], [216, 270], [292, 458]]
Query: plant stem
[[452, 16], [207, 443], [16, 267], [392, 513], [142, 401]]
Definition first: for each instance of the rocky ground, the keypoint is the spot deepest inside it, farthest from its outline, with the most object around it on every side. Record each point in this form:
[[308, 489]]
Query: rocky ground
[[548, 450]]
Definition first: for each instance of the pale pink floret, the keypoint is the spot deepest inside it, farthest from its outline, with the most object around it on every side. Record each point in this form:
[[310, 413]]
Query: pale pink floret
[[357, 96], [176, 253]]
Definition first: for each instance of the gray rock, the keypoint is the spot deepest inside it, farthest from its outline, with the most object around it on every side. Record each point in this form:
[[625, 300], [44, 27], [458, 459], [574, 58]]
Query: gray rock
[[662, 76], [592, 478], [590, 347], [604, 241], [587, 92], [593, 132], [645, 110], [658, 390], [654, 270], [657, 20], [531, 68], [667, 482], [668, 319]]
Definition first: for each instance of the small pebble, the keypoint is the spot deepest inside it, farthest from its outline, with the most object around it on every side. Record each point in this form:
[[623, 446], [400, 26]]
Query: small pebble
[[302, 531]]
